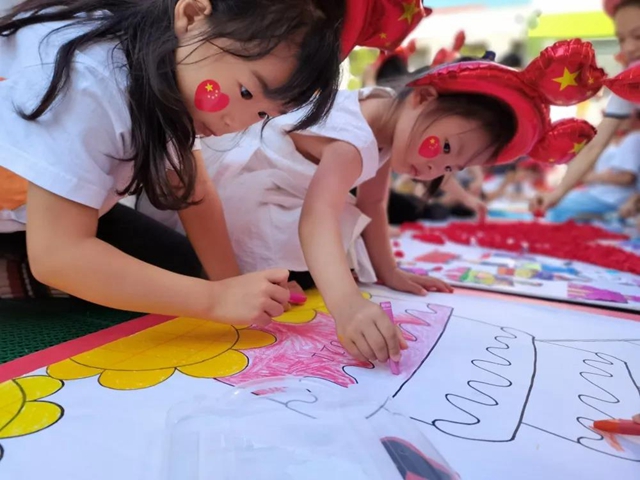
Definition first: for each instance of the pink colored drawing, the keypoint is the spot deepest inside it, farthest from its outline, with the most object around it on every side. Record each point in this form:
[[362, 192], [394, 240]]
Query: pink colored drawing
[[586, 292], [436, 256], [313, 349]]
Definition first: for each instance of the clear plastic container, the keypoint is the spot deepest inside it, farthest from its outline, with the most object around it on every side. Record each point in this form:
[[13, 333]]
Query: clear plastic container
[[295, 429]]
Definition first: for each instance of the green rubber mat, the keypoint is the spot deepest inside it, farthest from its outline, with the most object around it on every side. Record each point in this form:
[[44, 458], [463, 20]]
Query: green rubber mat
[[27, 327]]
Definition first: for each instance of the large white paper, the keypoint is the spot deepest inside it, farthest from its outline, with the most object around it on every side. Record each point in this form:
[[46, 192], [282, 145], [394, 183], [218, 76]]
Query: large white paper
[[503, 390]]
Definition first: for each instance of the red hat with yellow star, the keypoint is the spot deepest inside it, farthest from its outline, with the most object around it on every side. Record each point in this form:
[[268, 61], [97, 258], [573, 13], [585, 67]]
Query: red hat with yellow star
[[382, 24], [564, 74]]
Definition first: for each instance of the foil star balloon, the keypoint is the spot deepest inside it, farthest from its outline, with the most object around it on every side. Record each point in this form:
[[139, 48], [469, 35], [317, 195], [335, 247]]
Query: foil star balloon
[[565, 73], [382, 24]]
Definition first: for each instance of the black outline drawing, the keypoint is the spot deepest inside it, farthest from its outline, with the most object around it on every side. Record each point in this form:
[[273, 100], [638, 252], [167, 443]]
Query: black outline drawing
[[39, 400], [592, 369], [475, 385], [610, 398]]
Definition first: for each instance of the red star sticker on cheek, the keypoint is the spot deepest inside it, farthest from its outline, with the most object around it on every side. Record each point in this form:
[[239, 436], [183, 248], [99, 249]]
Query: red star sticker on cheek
[[209, 98], [430, 147]]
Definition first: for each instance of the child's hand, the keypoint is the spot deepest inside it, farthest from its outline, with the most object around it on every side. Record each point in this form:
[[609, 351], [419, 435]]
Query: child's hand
[[367, 333], [252, 299], [416, 284]]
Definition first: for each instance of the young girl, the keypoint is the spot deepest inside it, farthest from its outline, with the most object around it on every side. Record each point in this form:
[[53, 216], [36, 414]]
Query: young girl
[[101, 99], [275, 184], [626, 16]]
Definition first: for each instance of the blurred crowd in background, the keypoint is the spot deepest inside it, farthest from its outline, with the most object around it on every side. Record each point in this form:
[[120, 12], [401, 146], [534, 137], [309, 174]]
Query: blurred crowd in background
[[516, 31]]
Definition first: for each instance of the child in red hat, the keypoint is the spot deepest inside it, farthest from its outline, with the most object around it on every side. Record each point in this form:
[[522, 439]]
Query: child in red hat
[[286, 195]]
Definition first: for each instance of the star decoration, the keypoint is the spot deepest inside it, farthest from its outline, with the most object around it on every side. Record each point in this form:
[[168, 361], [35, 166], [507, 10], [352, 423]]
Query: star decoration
[[590, 81], [552, 160], [383, 36], [209, 87], [577, 147], [410, 11], [567, 79]]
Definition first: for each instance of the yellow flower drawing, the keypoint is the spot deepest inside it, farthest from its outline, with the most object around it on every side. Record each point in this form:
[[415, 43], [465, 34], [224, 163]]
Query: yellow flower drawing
[[307, 312], [21, 410], [198, 348]]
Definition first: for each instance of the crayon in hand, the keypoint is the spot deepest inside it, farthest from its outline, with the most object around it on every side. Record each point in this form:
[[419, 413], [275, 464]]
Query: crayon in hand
[[393, 365]]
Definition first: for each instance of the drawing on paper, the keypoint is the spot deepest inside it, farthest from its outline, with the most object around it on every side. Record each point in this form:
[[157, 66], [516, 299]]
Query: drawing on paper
[[437, 256], [587, 292], [313, 350], [22, 409], [507, 373], [302, 342], [487, 279], [197, 348]]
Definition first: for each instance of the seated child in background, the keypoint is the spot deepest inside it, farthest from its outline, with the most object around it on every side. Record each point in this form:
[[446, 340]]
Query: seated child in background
[[518, 185], [611, 183], [287, 195], [631, 208]]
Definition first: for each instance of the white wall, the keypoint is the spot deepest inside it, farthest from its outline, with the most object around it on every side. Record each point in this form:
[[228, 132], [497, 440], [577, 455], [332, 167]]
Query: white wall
[[496, 27], [565, 6]]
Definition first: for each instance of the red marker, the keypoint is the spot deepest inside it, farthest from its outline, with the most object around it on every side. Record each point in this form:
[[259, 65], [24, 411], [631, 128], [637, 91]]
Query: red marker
[[297, 298], [623, 427], [393, 366]]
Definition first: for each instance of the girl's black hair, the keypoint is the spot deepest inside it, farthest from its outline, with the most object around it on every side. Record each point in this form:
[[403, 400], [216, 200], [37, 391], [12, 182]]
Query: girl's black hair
[[144, 30], [391, 69]]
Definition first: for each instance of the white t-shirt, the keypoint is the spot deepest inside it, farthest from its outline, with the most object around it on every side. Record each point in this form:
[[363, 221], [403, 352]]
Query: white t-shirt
[[73, 150], [623, 157], [262, 181]]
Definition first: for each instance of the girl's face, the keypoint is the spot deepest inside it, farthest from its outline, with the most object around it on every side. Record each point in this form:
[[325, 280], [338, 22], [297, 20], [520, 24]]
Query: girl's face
[[222, 92], [627, 21], [427, 146]]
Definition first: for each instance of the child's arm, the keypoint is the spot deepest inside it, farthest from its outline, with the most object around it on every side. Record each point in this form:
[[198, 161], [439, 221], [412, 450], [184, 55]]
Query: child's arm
[[631, 207], [612, 177], [363, 327], [65, 253], [373, 196], [207, 229]]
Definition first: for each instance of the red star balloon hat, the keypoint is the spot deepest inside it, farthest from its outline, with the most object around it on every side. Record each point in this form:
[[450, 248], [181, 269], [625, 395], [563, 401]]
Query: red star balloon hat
[[382, 24], [565, 73]]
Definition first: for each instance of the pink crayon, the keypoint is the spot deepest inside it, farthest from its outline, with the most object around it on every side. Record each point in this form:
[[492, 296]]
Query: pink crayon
[[393, 366], [297, 298]]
